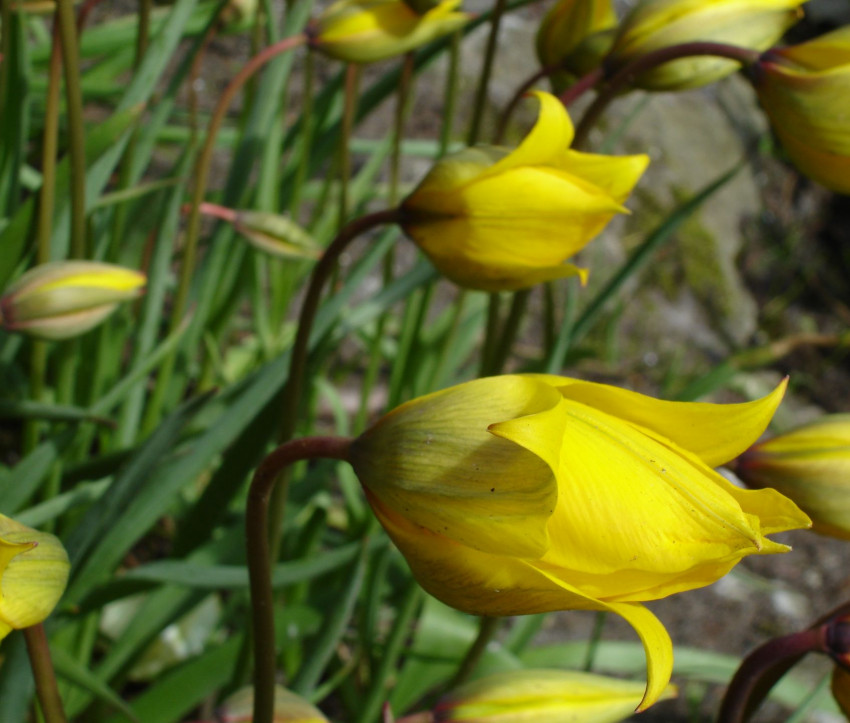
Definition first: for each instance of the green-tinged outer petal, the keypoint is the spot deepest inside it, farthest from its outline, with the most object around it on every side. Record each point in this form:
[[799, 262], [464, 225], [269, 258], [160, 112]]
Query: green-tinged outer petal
[[811, 465], [433, 461], [715, 433], [542, 696], [482, 583], [656, 24], [33, 573], [365, 31], [567, 24]]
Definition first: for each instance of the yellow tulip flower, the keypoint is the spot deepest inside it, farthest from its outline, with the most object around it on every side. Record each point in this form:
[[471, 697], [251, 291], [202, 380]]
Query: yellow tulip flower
[[542, 696], [576, 34], [33, 573], [805, 90], [656, 24], [493, 220], [365, 31], [64, 299], [528, 493], [811, 465]]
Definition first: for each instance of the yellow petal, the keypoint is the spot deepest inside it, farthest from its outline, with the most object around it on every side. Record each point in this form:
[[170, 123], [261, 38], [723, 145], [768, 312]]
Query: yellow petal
[[616, 175], [715, 433], [433, 461], [546, 143]]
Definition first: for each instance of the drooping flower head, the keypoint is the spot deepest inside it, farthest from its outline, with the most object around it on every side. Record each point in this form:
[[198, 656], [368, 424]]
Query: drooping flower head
[[365, 31], [33, 573], [527, 493], [495, 220], [656, 24], [805, 90]]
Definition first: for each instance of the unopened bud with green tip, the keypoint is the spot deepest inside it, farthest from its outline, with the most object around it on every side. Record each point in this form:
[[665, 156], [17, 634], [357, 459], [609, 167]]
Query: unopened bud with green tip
[[543, 696], [65, 299], [288, 708], [33, 574], [276, 234]]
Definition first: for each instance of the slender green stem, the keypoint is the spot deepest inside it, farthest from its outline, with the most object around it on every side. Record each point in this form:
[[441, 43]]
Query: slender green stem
[[486, 71], [624, 77], [298, 356], [45, 679], [76, 138], [487, 628], [595, 638], [306, 138], [505, 118], [491, 332], [451, 92], [442, 361], [352, 84], [401, 111], [509, 331], [259, 556]]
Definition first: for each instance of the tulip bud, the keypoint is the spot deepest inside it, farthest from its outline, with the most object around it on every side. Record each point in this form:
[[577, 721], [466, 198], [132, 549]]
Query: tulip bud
[[811, 465], [498, 221], [288, 708], [276, 234], [33, 573], [575, 35], [364, 31], [805, 90], [542, 696], [656, 24], [64, 299]]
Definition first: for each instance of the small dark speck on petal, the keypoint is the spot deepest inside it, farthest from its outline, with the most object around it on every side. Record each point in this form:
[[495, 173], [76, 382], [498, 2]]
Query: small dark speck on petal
[[492, 489]]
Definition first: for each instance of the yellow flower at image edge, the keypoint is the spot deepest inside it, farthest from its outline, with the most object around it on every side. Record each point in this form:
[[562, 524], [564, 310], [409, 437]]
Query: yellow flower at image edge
[[495, 220], [528, 493], [805, 90], [33, 573], [365, 31]]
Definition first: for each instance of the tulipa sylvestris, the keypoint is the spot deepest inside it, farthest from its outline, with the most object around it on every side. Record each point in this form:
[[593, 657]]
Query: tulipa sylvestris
[[542, 696], [811, 465], [656, 24], [495, 220], [365, 31], [529, 493], [805, 90], [33, 572]]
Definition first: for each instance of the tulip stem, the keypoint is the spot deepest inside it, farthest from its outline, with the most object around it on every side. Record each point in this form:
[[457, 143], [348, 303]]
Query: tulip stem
[[259, 556], [193, 223], [763, 668], [45, 678], [621, 79], [291, 394], [76, 138], [487, 628], [486, 70]]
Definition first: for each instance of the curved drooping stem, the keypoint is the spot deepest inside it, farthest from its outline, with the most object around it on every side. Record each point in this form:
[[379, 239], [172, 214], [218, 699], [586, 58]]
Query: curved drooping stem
[[621, 79], [298, 359], [259, 556], [45, 679]]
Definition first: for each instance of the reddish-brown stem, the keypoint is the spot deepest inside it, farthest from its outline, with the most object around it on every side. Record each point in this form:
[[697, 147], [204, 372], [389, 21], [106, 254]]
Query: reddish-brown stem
[[581, 86], [625, 76], [259, 556], [45, 679]]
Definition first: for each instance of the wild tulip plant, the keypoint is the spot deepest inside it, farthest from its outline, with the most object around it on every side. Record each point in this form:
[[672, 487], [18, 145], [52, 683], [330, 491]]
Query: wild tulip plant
[[326, 388]]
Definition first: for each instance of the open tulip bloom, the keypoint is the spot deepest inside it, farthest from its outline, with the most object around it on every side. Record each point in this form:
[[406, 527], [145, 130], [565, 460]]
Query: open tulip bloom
[[495, 220], [528, 493]]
